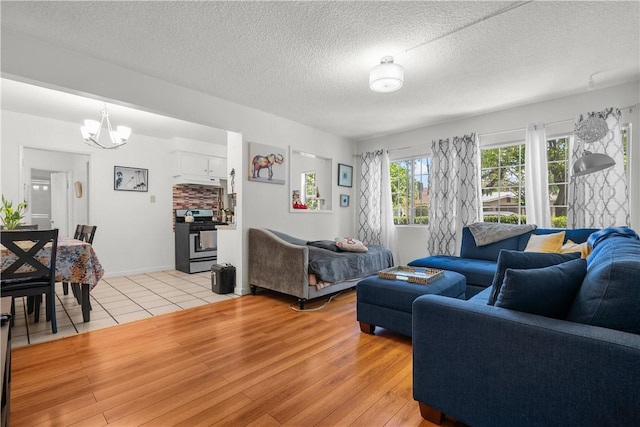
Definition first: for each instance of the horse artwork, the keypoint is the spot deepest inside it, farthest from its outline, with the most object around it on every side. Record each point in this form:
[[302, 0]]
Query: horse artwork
[[269, 158]]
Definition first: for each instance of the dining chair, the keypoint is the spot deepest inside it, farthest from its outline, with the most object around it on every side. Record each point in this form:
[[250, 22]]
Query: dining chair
[[84, 233], [31, 274]]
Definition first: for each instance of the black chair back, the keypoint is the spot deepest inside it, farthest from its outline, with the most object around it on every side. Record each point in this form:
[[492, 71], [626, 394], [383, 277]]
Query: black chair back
[[31, 273], [85, 233]]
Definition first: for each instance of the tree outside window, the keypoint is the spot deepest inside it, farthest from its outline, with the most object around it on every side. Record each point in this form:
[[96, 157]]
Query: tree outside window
[[410, 190], [503, 177]]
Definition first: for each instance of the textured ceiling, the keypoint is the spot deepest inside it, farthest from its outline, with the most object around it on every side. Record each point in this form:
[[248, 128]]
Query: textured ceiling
[[309, 61]]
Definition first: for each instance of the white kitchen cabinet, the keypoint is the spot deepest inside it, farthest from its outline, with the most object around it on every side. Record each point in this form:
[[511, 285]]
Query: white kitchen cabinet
[[196, 167]]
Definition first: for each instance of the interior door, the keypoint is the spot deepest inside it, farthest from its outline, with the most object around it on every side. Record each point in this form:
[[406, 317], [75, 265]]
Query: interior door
[[60, 202]]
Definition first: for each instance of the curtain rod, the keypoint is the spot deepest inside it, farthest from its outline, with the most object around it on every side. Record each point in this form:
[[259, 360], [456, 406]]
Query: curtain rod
[[630, 108]]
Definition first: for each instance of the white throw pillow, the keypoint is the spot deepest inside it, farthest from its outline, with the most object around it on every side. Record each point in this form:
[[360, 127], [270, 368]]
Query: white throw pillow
[[350, 244]]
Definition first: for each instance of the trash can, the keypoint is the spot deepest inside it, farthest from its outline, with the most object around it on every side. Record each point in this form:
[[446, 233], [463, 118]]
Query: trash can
[[223, 278]]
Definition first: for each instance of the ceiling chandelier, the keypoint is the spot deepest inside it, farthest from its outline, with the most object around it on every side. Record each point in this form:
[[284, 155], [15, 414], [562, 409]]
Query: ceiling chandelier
[[386, 76], [593, 128], [92, 129]]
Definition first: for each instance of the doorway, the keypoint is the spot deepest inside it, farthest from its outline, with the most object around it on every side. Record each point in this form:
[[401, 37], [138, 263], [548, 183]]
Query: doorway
[[56, 188]]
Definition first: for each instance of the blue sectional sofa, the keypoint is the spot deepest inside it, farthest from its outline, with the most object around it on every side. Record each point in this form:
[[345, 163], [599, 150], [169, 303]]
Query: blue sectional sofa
[[478, 263], [486, 365]]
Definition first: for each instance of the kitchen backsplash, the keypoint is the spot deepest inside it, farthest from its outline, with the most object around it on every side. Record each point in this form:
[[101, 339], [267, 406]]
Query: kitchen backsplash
[[192, 196]]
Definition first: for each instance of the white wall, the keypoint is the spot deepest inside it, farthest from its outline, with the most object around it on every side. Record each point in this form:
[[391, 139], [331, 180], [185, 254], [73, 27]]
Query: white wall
[[412, 239], [264, 205], [134, 234]]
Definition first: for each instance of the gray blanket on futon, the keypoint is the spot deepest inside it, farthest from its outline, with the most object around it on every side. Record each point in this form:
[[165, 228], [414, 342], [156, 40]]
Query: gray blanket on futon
[[329, 266]]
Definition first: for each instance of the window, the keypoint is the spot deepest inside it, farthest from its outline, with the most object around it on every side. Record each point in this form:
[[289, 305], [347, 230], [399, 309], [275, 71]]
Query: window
[[558, 166], [310, 196], [502, 184], [410, 190], [503, 195]]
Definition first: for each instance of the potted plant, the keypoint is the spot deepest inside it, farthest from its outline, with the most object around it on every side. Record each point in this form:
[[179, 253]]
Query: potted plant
[[11, 217]]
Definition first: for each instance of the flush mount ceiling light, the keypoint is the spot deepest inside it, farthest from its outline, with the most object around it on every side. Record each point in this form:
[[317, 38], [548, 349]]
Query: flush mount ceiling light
[[386, 76], [389, 77], [92, 129]]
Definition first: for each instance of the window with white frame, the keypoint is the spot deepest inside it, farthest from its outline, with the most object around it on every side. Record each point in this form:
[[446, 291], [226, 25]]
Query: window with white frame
[[410, 190], [502, 182]]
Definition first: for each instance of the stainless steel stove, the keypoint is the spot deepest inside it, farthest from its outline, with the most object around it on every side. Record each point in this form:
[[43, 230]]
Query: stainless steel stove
[[196, 240]]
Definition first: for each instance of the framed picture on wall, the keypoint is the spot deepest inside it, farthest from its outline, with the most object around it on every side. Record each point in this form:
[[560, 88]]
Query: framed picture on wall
[[345, 175], [130, 179], [266, 163], [344, 200]]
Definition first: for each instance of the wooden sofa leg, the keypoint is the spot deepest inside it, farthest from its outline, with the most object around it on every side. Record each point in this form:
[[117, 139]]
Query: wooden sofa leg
[[301, 302], [430, 414], [367, 328]]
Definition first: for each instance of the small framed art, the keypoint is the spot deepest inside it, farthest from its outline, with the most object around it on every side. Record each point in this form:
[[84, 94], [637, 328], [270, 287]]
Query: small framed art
[[130, 179], [345, 175], [344, 200]]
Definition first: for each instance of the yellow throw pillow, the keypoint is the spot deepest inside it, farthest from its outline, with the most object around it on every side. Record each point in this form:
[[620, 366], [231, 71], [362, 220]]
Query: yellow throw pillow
[[545, 242], [571, 246]]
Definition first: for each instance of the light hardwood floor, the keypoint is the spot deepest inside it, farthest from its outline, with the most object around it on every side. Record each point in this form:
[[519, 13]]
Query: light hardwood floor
[[250, 361]]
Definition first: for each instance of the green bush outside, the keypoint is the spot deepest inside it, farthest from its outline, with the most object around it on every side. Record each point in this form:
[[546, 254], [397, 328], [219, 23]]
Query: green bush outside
[[556, 222], [559, 222], [403, 220], [506, 219]]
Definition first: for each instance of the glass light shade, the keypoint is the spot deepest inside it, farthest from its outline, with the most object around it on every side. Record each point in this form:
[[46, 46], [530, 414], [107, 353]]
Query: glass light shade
[[592, 162], [124, 132], [85, 133], [387, 76], [92, 126]]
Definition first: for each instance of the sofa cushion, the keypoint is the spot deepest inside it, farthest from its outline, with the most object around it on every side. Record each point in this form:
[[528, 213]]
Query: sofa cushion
[[476, 271], [482, 297], [545, 242], [577, 235], [524, 260], [350, 244], [571, 246], [329, 245], [610, 293], [547, 291], [488, 252]]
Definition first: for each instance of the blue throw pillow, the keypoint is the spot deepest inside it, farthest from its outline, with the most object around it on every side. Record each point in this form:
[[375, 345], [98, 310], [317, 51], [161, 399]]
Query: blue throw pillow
[[547, 291], [325, 244], [524, 260]]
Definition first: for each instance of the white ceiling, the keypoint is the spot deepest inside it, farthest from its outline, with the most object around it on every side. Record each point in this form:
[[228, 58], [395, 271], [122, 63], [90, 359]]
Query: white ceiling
[[309, 61]]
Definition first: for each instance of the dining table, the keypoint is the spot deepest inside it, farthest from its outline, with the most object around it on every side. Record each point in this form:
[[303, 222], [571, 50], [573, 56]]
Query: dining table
[[76, 262]]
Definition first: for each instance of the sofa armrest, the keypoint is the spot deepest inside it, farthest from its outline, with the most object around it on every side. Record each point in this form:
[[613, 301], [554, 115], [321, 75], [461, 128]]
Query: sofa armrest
[[486, 365], [278, 265]]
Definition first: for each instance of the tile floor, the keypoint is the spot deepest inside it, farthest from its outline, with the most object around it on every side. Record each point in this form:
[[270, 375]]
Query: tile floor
[[117, 300]]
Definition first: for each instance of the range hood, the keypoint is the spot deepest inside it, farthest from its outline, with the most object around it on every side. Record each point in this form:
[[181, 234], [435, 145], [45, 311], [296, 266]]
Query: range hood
[[196, 179]]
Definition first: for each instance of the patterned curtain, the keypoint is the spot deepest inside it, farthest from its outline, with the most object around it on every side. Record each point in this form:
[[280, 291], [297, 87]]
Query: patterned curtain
[[376, 212], [600, 199], [536, 177], [455, 192]]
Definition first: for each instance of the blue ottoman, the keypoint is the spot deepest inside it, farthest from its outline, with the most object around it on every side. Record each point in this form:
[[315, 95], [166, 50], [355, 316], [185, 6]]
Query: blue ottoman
[[387, 303]]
